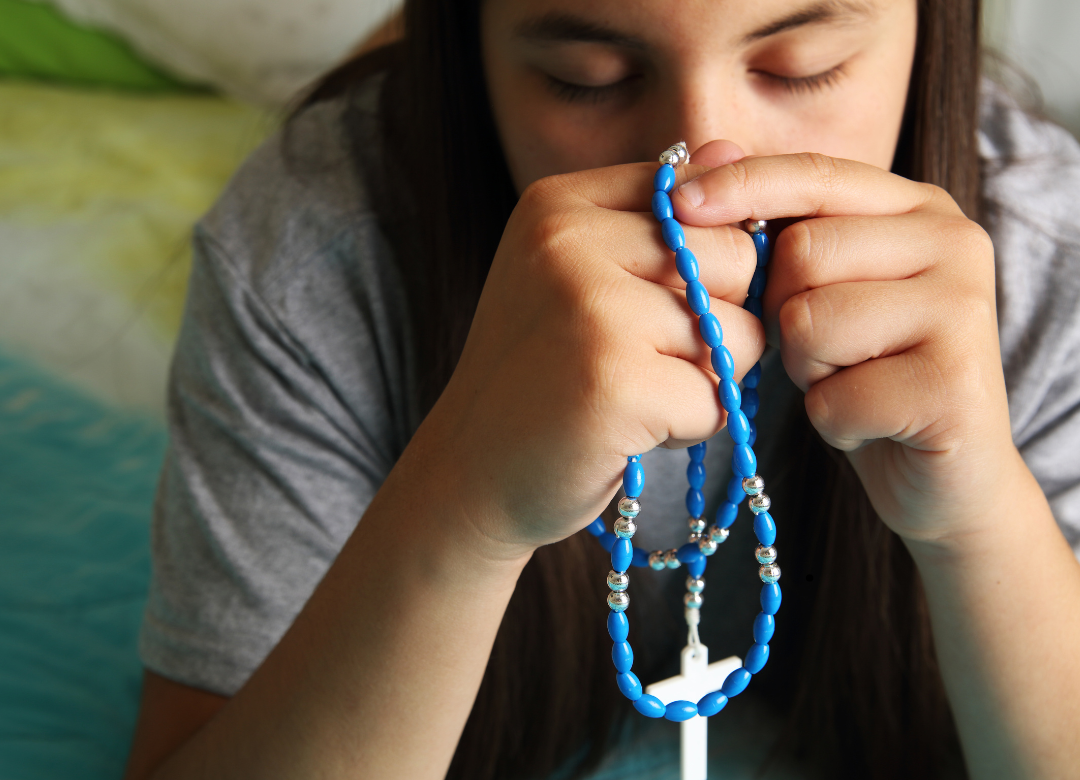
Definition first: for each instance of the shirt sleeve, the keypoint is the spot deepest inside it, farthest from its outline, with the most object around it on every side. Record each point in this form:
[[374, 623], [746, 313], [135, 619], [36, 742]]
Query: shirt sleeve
[[276, 449], [1032, 188]]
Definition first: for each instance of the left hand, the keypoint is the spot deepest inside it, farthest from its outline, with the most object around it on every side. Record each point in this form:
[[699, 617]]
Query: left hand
[[882, 301]]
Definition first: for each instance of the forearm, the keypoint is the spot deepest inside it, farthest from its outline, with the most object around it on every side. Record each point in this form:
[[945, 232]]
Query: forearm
[[378, 674], [1005, 609]]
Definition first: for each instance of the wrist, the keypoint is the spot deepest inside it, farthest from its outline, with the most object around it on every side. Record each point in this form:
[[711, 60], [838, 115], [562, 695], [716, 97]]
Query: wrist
[[1008, 517]]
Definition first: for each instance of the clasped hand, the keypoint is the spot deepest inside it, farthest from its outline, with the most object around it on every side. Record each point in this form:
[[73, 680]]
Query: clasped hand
[[880, 297]]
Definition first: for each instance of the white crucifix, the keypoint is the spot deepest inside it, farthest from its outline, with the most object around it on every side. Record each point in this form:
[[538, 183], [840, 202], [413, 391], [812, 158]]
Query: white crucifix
[[696, 678]]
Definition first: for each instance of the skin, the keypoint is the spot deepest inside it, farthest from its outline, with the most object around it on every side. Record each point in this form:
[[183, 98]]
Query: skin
[[881, 301]]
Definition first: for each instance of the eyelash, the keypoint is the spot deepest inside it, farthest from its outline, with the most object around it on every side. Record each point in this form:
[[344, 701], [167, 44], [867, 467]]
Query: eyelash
[[807, 84], [578, 93]]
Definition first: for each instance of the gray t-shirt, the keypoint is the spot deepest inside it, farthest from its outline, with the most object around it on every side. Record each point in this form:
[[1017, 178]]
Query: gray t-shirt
[[291, 398]]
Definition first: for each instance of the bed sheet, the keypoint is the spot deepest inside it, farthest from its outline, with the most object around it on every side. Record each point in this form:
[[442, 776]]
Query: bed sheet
[[98, 194]]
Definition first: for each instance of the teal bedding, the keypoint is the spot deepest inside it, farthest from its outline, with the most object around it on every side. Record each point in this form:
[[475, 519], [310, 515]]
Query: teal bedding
[[76, 486]]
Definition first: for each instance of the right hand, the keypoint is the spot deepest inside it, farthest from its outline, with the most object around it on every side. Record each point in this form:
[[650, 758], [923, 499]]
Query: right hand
[[583, 351]]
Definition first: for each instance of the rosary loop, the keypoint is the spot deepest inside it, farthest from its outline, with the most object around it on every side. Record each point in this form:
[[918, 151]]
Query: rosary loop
[[741, 406]]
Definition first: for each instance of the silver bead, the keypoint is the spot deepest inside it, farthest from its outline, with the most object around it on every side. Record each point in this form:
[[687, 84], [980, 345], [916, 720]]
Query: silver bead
[[695, 584], [769, 573], [696, 524], [629, 507], [625, 528], [694, 538], [618, 601], [718, 534], [671, 559], [684, 153], [693, 600], [760, 503], [670, 157], [618, 581], [706, 545], [765, 554], [755, 225], [656, 560], [753, 486]]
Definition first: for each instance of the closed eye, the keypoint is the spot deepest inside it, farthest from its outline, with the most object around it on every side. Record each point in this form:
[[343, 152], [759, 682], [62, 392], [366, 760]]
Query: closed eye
[[806, 84], [580, 93]]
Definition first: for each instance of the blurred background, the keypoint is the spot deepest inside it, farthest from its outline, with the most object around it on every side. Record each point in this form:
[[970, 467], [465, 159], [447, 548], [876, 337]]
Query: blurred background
[[120, 121]]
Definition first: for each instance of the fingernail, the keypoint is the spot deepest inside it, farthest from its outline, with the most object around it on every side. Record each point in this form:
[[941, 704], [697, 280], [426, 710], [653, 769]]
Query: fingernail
[[693, 192]]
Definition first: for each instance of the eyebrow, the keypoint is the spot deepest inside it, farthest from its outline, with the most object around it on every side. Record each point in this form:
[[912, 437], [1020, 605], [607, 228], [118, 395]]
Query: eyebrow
[[567, 28], [824, 12]]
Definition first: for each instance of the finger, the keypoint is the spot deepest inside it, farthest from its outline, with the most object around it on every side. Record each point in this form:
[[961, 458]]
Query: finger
[[717, 153], [819, 252], [664, 319], [828, 328], [679, 404], [902, 398], [618, 187], [725, 257], [799, 185]]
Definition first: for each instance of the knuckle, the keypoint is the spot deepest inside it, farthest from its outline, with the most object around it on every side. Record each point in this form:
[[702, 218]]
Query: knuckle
[[824, 168], [803, 248], [796, 317]]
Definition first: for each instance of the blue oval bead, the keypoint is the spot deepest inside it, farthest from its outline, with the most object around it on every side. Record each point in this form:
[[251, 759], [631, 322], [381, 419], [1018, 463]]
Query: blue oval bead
[[695, 502], [640, 559], [673, 234], [753, 376], [681, 710], [726, 514], [711, 703], [750, 403], [688, 552], [735, 683], [618, 626], [722, 363], [743, 460], [661, 205], [753, 305], [757, 284], [664, 178], [756, 658], [622, 552], [697, 452], [695, 474], [738, 427], [711, 332], [696, 567], [697, 297], [633, 479], [622, 655], [607, 539], [650, 706], [753, 433], [629, 685], [735, 493], [596, 527], [764, 626], [770, 598], [765, 529], [761, 242], [686, 264], [730, 397]]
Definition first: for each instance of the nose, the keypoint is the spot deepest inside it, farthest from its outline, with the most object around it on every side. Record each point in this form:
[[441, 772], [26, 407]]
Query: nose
[[702, 107]]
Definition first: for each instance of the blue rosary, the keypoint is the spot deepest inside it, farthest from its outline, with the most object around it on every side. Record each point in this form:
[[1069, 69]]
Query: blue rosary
[[741, 407]]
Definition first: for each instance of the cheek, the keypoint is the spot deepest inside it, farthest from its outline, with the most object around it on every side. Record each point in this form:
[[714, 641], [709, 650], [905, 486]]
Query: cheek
[[542, 137]]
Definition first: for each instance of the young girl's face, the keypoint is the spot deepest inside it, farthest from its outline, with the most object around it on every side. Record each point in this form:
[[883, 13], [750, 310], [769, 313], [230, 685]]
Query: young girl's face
[[578, 84]]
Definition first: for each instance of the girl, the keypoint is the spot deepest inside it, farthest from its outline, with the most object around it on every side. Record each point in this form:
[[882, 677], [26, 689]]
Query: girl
[[429, 323]]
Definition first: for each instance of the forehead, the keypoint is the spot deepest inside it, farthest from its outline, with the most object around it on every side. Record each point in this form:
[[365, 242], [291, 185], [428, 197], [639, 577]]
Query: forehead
[[636, 23]]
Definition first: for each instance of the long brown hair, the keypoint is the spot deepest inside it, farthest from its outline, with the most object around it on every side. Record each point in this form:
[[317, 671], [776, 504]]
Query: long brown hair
[[865, 696]]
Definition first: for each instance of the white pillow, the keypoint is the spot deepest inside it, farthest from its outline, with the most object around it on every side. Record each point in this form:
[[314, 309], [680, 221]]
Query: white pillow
[[258, 50]]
